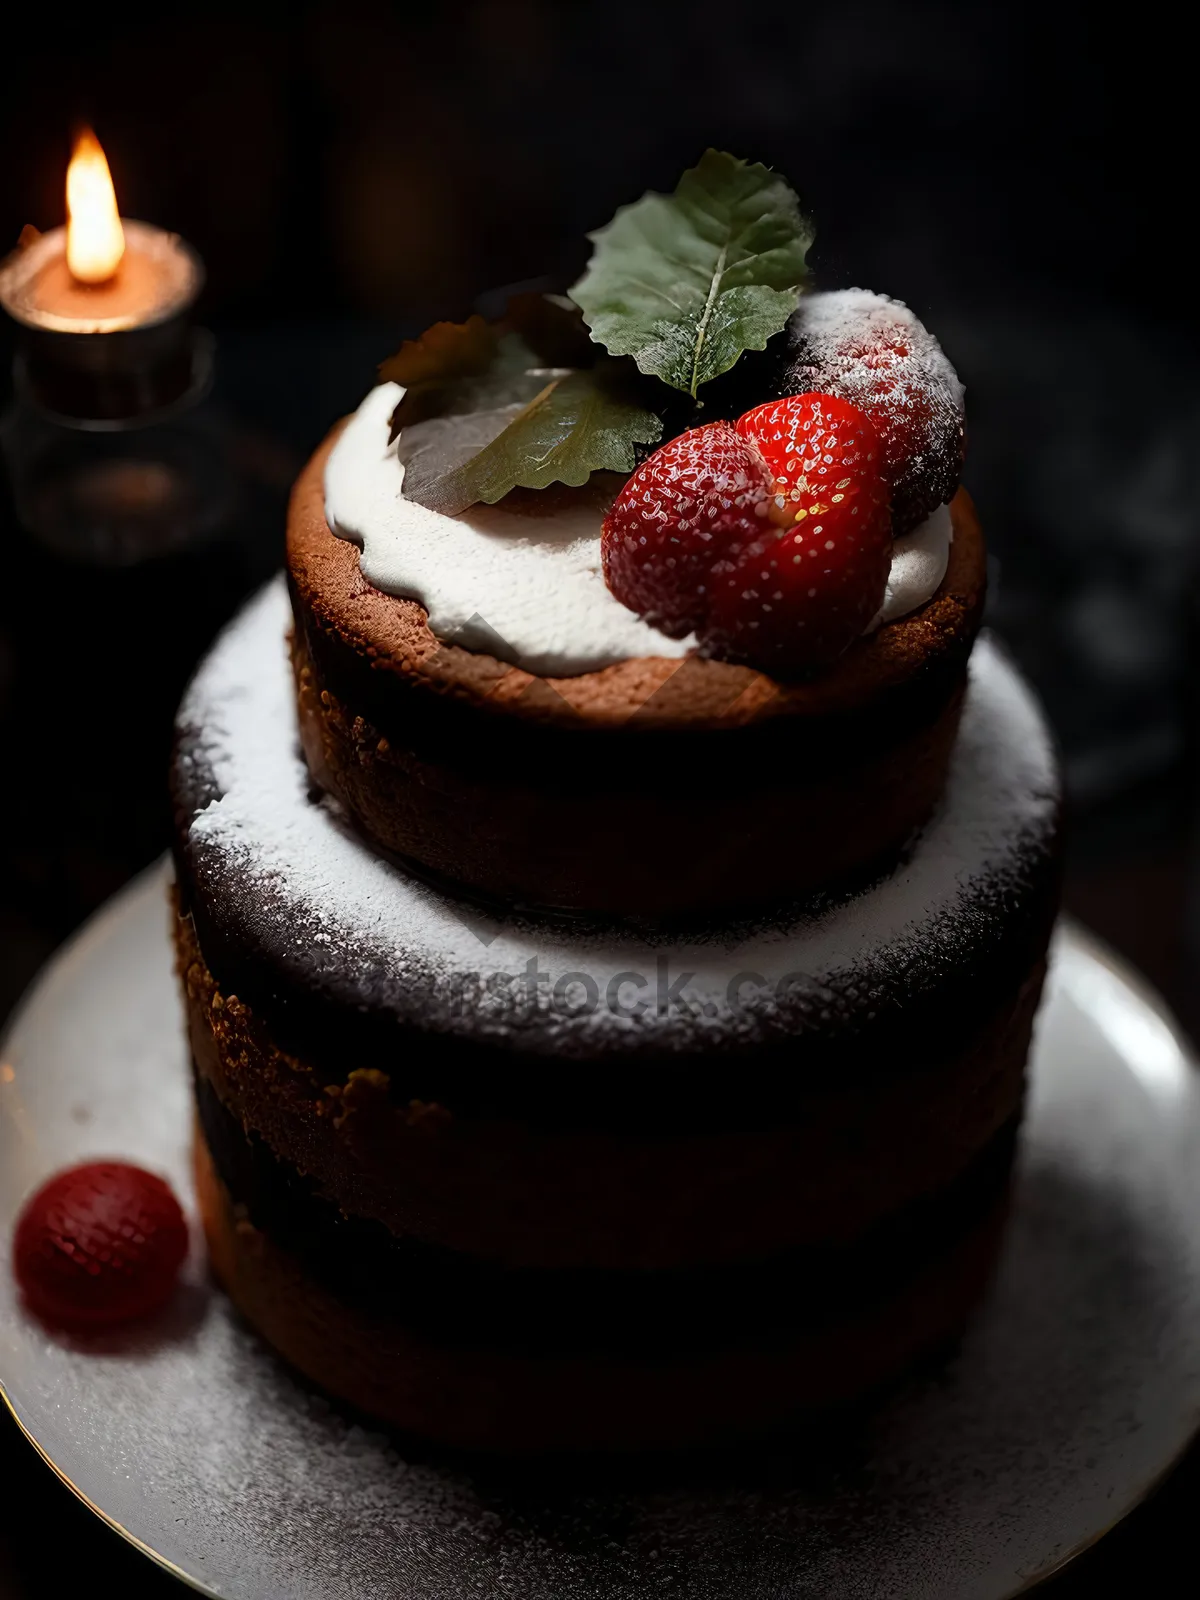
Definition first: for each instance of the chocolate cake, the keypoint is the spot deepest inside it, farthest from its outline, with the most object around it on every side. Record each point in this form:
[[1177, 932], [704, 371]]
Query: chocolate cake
[[610, 955]]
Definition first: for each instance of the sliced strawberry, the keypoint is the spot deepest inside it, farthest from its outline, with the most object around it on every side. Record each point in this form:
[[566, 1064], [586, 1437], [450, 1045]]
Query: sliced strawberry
[[798, 598], [701, 498], [770, 541], [876, 354], [98, 1245], [809, 442]]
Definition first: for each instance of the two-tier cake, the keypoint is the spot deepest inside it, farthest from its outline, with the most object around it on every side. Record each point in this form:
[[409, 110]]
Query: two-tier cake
[[614, 885]]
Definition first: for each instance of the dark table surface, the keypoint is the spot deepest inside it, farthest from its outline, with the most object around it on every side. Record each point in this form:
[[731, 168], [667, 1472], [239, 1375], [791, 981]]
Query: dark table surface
[[1104, 629]]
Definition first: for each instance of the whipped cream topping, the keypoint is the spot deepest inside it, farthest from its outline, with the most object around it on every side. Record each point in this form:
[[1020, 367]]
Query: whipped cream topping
[[919, 563], [530, 590]]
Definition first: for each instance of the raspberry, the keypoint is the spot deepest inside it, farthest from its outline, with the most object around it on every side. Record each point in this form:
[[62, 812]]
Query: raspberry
[[98, 1245], [876, 354], [699, 499], [771, 541]]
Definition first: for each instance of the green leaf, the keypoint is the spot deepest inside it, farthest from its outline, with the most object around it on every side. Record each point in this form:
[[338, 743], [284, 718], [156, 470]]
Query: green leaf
[[431, 450], [489, 407], [684, 283], [456, 367], [578, 424]]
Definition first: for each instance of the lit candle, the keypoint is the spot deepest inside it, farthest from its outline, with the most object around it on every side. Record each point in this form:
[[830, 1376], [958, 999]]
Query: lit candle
[[98, 274], [101, 275], [95, 238]]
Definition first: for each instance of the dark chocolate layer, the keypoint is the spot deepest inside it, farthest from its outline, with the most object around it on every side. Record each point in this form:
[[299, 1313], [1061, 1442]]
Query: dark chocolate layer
[[460, 1299], [492, 1398], [741, 1081]]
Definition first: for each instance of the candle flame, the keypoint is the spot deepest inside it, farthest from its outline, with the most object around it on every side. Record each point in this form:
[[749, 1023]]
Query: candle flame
[[95, 238]]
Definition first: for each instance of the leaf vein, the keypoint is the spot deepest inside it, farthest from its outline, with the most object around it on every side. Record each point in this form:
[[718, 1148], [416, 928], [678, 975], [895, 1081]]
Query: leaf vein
[[714, 290], [640, 283]]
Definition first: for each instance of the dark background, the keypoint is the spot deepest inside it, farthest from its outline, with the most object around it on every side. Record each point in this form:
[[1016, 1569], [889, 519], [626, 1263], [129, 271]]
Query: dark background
[[1021, 174]]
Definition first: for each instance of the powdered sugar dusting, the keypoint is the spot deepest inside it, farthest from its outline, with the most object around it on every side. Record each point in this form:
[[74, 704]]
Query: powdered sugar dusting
[[292, 872], [875, 353]]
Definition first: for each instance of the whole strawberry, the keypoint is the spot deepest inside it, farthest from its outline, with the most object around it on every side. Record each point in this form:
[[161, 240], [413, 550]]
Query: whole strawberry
[[98, 1245], [876, 354], [770, 540]]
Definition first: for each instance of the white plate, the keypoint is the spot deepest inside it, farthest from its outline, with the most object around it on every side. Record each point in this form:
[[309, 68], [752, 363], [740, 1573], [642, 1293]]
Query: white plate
[[1077, 1388]]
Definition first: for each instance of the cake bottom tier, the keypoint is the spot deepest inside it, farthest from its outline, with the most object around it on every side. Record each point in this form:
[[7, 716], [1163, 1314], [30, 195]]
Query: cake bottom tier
[[679, 1288], [476, 1386]]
